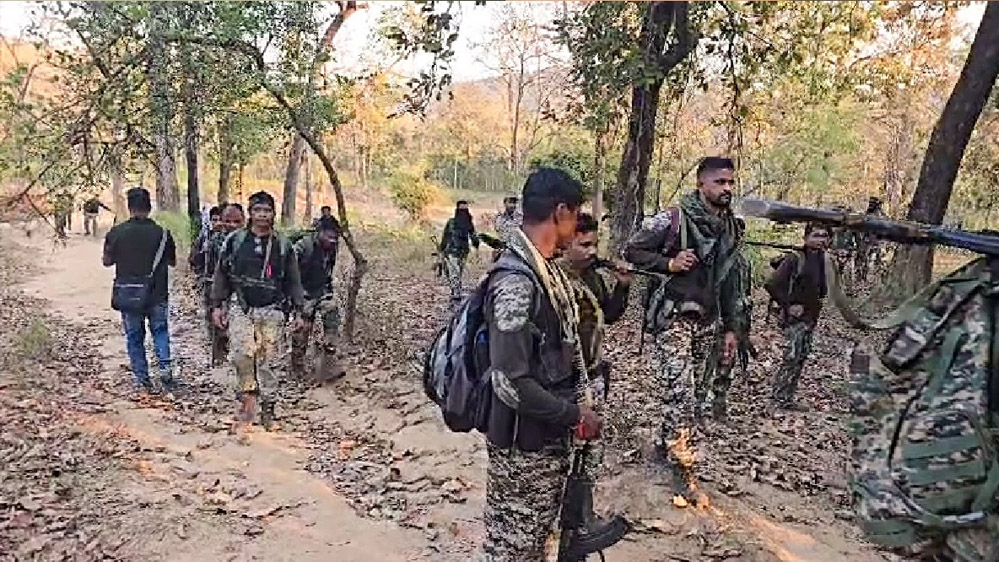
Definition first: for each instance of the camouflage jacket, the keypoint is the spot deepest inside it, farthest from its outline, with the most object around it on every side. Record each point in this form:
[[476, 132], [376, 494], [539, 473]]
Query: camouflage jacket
[[717, 241], [506, 224]]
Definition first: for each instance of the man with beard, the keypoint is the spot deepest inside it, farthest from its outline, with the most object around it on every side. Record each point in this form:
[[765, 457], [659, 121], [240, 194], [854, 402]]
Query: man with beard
[[798, 286], [258, 264], [316, 259], [698, 244], [454, 247], [531, 317]]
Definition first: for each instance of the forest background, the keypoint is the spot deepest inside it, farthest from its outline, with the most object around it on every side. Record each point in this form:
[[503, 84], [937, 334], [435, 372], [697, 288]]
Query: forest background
[[416, 104]]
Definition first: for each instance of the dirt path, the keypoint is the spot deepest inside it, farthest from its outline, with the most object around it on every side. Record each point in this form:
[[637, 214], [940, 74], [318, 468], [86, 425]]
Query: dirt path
[[364, 470], [310, 520]]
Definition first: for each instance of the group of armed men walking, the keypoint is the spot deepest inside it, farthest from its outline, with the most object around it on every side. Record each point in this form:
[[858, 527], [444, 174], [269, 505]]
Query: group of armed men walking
[[257, 287], [924, 476], [546, 306]]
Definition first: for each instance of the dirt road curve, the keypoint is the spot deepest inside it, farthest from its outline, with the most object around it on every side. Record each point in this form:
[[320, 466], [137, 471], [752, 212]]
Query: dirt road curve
[[361, 470]]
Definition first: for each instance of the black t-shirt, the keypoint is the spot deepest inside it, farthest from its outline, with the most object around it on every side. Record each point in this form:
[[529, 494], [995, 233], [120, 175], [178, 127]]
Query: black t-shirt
[[131, 247]]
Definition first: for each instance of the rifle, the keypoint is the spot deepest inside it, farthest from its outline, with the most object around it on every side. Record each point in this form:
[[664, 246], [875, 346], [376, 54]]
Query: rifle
[[574, 545], [602, 263], [491, 241], [775, 246], [904, 232]]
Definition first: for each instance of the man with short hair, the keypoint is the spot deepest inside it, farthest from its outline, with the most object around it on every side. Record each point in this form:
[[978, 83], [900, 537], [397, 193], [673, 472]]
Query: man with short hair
[[599, 306], [230, 220], [132, 247], [798, 286], [91, 208], [869, 246], [531, 316], [316, 260], [454, 247], [507, 222], [324, 212], [697, 243], [258, 264]]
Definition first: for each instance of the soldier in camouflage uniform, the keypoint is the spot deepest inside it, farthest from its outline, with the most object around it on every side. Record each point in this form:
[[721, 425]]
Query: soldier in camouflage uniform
[[925, 472], [798, 286], [259, 265], [230, 220], [531, 316], [599, 306], [459, 232], [316, 260], [699, 245], [868, 247], [507, 222]]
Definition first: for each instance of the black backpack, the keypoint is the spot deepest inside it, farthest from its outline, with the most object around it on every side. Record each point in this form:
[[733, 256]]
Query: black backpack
[[455, 365]]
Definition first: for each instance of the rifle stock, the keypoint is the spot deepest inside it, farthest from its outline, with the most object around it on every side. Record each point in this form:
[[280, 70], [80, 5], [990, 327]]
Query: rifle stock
[[901, 231]]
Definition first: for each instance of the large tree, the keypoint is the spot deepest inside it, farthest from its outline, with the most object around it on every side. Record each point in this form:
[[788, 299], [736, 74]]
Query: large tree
[[665, 40], [913, 265]]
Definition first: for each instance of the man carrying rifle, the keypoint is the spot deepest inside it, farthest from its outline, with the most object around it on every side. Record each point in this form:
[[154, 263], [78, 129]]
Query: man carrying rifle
[[598, 307], [698, 244], [531, 319], [923, 471], [798, 287], [459, 232]]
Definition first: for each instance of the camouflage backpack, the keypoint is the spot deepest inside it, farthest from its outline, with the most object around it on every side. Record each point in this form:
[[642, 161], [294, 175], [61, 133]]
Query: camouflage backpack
[[924, 467]]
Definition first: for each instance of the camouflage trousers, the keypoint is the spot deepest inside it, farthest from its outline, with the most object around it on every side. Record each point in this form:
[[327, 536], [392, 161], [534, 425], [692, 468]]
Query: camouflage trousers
[[523, 496], [257, 352], [454, 271], [327, 310], [797, 346], [681, 356]]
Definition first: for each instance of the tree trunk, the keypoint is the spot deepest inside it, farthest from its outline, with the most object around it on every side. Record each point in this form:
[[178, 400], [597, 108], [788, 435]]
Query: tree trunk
[[297, 144], [913, 265], [291, 180], [657, 20], [599, 162], [629, 202], [118, 185], [192, 115], [226, 159], [308, 191], [167, 190]]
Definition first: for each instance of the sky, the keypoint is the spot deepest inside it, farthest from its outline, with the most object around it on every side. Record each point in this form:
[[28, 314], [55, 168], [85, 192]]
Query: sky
[[352, 39], [354, 36]]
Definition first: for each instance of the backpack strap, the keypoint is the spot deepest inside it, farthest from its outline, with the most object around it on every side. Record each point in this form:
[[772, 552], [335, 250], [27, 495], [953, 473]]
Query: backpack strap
[[159, 252]]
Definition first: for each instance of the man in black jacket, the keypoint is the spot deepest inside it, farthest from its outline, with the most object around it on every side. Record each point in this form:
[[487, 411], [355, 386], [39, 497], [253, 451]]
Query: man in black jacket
[[316, 260], [534, 358], [132, 247], [798, 286]]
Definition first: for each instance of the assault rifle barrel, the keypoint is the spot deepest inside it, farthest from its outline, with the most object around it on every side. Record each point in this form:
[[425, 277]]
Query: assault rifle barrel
[[904, 232], [608, 264], [774, 245]]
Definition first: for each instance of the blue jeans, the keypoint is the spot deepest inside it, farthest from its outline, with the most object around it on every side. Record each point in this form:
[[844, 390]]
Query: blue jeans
[[135, 338]]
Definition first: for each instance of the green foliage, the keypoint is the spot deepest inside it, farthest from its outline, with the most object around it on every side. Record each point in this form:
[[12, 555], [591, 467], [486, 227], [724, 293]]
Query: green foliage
[[179, 225], [412, 190], [34, 340]]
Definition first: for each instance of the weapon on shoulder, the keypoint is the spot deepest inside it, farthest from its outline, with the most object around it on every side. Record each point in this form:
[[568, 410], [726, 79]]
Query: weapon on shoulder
[[789, 247], [492, 241], [608, 264], [905, 232]]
